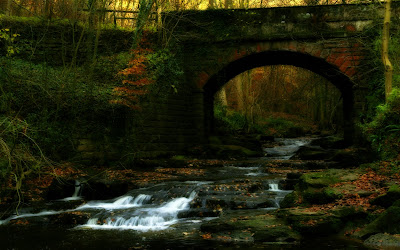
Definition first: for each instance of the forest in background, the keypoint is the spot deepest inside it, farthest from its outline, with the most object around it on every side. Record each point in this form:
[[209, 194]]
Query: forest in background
[[57, 102], [273, 99]]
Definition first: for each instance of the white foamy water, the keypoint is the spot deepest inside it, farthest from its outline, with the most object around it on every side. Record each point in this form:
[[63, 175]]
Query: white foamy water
[[273, 187], [27, 215], [145, 219], [287, 150], [121, 203], [77, 192]]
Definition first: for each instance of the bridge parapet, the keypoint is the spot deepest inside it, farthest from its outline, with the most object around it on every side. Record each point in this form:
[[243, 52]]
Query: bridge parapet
[[303, 22]]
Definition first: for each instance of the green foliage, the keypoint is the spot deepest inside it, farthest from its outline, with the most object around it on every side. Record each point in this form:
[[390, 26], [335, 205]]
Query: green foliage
[[105, 67], [234, 122], [376, 85], [20, 155], [384, 129], [166, 72], [8, 40], [58, 104], [229, 120]]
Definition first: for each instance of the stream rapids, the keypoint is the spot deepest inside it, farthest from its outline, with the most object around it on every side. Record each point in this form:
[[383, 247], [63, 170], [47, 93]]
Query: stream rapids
[[167, 215]]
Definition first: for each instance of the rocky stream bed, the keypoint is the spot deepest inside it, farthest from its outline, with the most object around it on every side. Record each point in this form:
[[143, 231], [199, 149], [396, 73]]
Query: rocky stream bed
[[303, 194]]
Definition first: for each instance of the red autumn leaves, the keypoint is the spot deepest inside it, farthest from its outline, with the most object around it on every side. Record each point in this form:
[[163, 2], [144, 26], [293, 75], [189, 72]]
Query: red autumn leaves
[[136, 77]]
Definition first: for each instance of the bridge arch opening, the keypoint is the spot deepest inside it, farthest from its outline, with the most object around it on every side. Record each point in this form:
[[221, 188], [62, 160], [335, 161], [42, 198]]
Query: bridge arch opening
[[317, 65]]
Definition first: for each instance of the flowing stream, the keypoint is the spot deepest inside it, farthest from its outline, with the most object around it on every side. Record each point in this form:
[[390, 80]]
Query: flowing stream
[[160, 216]]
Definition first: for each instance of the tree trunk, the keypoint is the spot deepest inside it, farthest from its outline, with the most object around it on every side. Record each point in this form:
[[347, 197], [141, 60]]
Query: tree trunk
[[228, 4], [143, 16], [211, 4], [5, 7], [385, 50], [222, 96]]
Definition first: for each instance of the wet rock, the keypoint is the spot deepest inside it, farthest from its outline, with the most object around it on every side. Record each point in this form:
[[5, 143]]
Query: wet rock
[[329, 142], [387, 222], [327, 177], [70, 218], [317, 180], [60, 189], [63, 219], [234, 147], [260, 226], [383, 240], [233, 151], [265, 138], [294, 175], [291, 180], [199, 212], [281, 234], [289, 200], [352, 157], [312, 153], [319, 196], [312, 223], [386, 200], [104, 190]]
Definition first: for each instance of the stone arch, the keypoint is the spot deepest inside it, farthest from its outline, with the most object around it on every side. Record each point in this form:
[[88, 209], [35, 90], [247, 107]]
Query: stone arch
[[282, 57]]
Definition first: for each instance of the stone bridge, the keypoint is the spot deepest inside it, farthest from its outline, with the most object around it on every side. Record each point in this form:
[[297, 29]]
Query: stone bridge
[[328, 40]]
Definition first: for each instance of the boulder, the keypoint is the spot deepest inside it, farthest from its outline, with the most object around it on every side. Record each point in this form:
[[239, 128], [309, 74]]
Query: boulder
[[319, 196], [312, 153], [312, 223], [382, 240], [387, 222], [352, 157], [329, 142], [259, 226], [232, 151], [386, 200]]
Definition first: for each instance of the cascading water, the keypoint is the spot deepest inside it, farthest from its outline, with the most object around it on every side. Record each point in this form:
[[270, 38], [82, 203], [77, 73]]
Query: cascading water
[[141, 219], [77, 192], [280, 194], [120, 203], [274, 187], [287, 149]]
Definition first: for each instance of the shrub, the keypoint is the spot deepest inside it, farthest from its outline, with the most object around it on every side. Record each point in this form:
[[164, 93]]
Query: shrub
[[384, 129]]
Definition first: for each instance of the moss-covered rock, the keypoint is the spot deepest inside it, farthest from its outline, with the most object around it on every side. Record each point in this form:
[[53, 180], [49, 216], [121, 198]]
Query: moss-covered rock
[[318, 179], [327, 178], [387, 222], [312, 153], [312, 223], [319, 196], [329, 142], [290, 200], [261, 226], [232, 151], [383, 240], [352, 157], [386, 200]]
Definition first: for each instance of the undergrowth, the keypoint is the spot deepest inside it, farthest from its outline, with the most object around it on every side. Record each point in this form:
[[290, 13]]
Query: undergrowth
[[275, 124]]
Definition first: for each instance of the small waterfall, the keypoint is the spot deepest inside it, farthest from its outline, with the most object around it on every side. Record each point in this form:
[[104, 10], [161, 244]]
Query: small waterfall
[[78, 189], [143, 219], [280, 194], [274, 187], [288, 148], [77, 192], [27, 215], [123, 202]]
